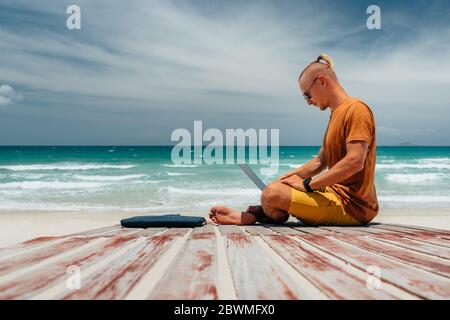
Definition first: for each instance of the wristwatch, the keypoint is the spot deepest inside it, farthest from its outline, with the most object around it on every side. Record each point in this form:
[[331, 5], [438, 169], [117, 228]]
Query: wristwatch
[[306, 185]]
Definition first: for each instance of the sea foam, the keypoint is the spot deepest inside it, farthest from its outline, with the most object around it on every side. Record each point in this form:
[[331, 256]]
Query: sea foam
[[109, 178], [65, 166], [411, 178], [51, 185]]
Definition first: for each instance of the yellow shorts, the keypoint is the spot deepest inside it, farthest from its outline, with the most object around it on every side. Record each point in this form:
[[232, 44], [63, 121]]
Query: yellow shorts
[[322, 208]]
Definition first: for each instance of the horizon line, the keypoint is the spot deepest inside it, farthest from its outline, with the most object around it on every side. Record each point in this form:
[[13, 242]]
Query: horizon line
[[158, 145]]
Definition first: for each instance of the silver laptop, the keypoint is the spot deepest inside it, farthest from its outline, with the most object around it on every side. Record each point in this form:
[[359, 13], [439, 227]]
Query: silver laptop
[[252, 175]]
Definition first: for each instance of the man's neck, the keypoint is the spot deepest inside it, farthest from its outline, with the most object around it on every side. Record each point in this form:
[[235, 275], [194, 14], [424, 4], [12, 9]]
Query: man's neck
[[337, 97]]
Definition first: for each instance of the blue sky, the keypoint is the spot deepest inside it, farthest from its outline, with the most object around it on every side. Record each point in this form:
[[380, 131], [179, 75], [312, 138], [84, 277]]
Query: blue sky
[[137, 70]]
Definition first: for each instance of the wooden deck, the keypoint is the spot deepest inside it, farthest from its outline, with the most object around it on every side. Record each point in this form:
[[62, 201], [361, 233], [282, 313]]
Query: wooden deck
[[287, 261]]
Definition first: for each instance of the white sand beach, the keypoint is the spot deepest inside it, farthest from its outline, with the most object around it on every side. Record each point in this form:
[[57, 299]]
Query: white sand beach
[[18, 226]]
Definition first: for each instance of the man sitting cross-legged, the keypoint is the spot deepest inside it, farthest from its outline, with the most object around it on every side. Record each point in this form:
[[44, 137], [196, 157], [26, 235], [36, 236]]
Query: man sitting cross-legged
[[342, 195]]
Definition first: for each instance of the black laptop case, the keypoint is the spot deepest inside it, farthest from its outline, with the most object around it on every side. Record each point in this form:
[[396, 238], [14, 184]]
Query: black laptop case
[[167, 220]]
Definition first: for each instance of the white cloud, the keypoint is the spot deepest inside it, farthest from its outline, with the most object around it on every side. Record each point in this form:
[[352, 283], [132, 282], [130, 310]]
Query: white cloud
[[240, 59], [163, 51], [8, 95], [177, 53]]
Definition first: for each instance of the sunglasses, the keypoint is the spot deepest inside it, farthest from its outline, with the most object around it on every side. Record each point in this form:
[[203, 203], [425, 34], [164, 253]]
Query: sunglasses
[[307, 95]]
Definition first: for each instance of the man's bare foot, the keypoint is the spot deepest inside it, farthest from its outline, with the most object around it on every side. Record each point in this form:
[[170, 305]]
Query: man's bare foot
[[224, 215]]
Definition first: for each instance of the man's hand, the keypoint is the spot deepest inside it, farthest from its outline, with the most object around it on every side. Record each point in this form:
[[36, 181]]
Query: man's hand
[[310, 169], [295, 182], [284, 176]]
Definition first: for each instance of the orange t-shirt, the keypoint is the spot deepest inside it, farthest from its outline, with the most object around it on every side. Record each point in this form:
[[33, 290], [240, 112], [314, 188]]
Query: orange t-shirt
[[353, 120]]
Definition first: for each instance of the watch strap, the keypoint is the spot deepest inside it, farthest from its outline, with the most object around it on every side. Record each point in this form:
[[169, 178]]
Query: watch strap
[[306, 185]]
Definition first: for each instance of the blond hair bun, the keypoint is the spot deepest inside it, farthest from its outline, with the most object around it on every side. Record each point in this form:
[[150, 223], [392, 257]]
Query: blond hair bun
[[327, 59]]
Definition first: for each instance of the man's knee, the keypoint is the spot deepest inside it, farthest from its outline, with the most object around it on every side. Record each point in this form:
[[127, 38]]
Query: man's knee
[[272, 202], [270, 194]]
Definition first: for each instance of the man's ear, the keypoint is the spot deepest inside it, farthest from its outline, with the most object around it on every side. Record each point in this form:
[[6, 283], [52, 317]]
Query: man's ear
[[322, 79]]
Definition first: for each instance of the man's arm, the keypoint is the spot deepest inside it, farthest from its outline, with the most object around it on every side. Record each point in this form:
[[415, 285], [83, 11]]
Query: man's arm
[[352, 163], [309, 169]]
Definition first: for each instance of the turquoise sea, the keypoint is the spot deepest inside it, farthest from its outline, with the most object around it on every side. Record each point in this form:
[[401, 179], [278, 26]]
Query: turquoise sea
[[144, 179]]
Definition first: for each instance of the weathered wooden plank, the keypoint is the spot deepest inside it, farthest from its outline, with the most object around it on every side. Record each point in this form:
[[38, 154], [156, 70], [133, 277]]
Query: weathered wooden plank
[[434, 230], [313, 230], [395, 239], [360, 230], [255, 275], [27, 245], [414, 245], [412, 234], [119, 232], [409, 278], [351, 231], [193, 273], [421, 240], [41, 243], [285, 230], [372, 230], [116, 279], [34, 282], [149, 232], [39, 254], [226, 230], [426, 262], [46, 240], [257, 230], [428, 239], [97, 231], [410, 231], [326, 274], [418, 235]]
